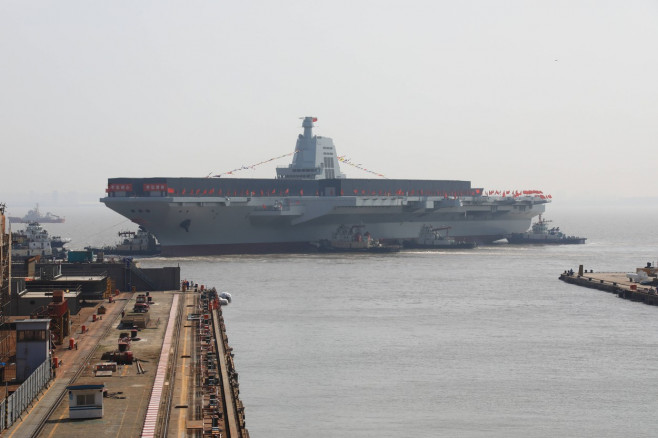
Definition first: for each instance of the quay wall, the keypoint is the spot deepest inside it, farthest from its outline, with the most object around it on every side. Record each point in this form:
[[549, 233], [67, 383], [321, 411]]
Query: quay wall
[[591, 282], [615, 283]]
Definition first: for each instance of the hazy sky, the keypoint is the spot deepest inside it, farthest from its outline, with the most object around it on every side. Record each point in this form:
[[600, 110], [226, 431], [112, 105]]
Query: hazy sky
[[560, 96]]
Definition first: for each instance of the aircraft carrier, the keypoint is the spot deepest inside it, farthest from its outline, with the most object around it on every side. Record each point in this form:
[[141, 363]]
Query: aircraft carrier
[[306, 202]]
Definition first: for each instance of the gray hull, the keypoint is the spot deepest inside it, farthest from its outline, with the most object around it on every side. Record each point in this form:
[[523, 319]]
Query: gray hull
[[222, 225]]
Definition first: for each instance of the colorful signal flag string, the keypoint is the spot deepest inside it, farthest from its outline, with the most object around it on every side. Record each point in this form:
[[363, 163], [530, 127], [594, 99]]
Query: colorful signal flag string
[[348, 161], [252, 167]]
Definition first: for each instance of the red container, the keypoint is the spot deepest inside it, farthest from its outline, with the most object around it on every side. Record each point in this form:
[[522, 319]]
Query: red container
[[71, 343], [93, 317]]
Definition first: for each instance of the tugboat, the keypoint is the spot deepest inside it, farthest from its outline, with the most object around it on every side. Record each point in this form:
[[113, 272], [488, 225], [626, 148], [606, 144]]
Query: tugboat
[[140, 243], [35, 215], [353, 239], [58, 242], [541, 234], [431, 238], [33, 241]]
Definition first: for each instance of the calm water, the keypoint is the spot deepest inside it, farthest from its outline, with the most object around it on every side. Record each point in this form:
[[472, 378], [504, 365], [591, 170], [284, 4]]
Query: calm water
[[479, 343]]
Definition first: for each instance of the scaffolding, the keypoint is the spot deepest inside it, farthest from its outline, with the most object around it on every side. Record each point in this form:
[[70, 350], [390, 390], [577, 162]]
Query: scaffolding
[[109, 289], [60, 317], [6, 339]]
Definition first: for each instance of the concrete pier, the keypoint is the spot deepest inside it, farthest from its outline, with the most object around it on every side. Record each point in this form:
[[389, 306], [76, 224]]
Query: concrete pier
[[613, 282], [166, 378]]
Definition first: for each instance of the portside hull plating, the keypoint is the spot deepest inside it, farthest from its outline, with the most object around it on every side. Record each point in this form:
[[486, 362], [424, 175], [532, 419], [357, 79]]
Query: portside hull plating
[[220, 225]]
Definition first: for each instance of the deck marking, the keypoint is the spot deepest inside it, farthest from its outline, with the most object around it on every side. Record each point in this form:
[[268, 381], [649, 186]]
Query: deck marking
[[61, 417], [158, 384], [184, 392]]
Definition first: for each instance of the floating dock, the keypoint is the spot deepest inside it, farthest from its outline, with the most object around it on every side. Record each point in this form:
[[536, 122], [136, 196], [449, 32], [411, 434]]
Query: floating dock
[[617, 283]]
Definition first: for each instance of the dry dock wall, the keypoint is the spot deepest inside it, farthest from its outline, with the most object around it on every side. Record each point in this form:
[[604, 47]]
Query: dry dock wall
[[124, 275]]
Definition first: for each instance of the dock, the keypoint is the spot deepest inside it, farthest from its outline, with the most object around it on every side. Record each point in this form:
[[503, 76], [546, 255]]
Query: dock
[[612, 282], [178, 380]]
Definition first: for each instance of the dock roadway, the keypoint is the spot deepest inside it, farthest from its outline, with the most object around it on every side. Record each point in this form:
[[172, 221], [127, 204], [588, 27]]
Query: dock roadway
[[169, 399], [68, 372], [183, 397], [128, 391]]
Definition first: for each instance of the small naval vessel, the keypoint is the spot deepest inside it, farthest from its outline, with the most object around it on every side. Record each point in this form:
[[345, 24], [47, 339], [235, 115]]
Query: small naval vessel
[[134, 243], [58, 242], [35, 215], [354, 239], [540, 233], [431, 238]]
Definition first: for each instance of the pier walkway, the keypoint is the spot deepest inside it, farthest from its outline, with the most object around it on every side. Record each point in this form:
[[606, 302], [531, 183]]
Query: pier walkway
[[128, 389], [182, 383], [72, 362]]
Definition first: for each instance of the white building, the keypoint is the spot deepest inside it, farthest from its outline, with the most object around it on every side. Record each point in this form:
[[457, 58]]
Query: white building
[[86, 401]]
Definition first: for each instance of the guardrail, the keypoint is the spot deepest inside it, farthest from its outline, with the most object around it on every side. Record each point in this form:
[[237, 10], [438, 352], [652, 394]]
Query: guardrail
[[14, 405]]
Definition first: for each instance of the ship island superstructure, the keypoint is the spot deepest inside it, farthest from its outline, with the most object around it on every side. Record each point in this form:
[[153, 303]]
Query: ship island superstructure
[[306, 202]]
